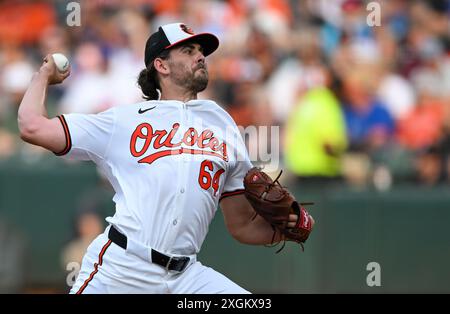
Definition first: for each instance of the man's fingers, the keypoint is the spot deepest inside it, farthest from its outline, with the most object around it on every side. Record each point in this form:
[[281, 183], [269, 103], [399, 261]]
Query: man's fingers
[[66, 73], [293, 220], [48, 59]]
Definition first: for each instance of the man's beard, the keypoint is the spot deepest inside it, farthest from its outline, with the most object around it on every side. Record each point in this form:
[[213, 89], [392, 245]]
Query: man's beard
[[195, 81]]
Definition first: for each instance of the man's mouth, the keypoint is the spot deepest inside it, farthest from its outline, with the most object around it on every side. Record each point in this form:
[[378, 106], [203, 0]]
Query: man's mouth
[[201, 67]]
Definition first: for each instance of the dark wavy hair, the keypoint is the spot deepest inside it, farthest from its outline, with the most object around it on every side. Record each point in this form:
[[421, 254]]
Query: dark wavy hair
[[148, 79]]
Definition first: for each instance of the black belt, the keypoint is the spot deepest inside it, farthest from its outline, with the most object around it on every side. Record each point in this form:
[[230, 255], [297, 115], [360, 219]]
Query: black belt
[[170, 263]]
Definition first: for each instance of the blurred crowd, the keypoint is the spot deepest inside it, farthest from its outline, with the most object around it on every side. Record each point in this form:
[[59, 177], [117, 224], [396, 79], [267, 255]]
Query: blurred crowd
[[364, 103]]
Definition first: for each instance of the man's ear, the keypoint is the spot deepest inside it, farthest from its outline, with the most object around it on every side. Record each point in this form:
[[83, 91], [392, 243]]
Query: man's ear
[[161, 66]]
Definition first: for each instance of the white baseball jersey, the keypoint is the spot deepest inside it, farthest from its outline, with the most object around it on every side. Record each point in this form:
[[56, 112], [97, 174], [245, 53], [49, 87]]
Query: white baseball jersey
[[169, 163]]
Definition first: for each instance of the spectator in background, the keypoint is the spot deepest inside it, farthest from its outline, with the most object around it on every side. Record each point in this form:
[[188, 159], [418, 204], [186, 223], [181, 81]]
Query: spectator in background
[[241, 78], [125, 61], [241, 107], [296, 75], [397, 94], [259, 50], [425, 131], [428, 33], [93, 205], [429, 166], [16, 71], [369, 124], [88, 226], [89, 90], [316, 136], [423, 126]]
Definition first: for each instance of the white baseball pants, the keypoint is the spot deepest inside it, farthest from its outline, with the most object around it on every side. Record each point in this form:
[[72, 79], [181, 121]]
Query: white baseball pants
[[107, 268]]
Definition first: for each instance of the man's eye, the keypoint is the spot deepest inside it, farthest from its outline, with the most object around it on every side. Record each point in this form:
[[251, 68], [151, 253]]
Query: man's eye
[[188, 51]]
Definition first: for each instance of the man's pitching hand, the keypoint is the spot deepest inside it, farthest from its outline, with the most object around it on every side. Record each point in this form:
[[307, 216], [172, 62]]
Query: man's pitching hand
[[50, 70]]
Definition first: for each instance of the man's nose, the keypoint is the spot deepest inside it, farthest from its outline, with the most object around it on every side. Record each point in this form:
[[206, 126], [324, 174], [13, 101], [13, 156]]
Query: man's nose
[[200, 57]]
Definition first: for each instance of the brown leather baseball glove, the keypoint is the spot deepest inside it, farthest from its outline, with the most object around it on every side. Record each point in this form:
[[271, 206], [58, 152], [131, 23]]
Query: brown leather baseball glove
[[274, 203]]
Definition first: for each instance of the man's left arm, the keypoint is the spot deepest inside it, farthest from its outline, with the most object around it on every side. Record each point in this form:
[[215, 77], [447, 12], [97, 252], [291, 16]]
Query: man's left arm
[[242, 224]]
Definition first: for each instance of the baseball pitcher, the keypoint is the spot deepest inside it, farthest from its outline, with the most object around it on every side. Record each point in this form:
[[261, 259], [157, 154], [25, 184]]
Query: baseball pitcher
[[171, 160]]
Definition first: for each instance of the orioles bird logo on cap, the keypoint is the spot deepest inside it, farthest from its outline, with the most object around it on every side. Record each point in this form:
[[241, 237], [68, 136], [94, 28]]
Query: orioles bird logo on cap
[[186, 29]]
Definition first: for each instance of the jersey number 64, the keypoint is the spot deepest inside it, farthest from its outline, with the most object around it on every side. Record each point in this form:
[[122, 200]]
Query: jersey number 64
[[205, 177]]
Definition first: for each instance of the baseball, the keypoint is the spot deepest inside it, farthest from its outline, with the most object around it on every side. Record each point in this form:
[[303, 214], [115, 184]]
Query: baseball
[[61, 61]]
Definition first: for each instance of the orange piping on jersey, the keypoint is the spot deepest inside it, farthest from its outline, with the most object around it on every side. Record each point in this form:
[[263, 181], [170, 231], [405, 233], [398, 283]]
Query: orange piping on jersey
[[227, 194], [67, 136], [100, 262]]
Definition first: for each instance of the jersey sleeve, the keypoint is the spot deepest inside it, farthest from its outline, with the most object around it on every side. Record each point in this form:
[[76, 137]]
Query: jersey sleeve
[[234, 181], [87, 135]]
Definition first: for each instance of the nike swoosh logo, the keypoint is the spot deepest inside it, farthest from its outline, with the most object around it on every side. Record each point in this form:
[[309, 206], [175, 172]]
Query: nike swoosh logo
[[145, 110]]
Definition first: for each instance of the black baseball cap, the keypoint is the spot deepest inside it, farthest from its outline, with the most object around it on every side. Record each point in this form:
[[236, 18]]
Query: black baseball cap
[[173, 34]]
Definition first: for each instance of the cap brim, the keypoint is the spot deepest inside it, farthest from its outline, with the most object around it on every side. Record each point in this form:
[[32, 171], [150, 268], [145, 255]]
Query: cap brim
[[208, 41]]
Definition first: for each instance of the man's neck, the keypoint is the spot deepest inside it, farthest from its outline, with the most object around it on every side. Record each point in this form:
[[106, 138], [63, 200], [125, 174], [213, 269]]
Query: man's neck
[[173, 94]]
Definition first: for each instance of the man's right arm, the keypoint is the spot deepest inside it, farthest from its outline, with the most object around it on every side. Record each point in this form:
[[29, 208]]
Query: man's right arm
[[34, 125]]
